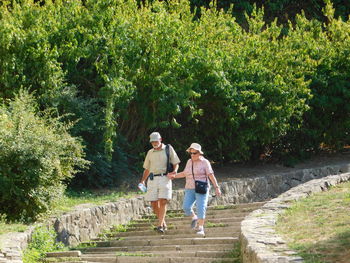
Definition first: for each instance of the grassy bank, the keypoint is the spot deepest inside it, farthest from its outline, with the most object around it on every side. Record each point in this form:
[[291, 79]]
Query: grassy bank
[[317, 227]]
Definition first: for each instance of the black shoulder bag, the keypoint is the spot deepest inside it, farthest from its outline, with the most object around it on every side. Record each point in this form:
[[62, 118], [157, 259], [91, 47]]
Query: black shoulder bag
[[169, 166], [199, 186]]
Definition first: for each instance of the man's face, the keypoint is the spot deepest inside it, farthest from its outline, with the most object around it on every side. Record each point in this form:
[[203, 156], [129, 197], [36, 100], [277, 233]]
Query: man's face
[[156, 144]]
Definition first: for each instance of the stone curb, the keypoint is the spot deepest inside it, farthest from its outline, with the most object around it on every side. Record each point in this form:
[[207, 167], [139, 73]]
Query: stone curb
[[259, 241], [86, 223]]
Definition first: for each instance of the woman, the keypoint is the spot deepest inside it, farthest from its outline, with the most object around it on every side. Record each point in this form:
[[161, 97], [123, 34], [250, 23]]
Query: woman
[[202, 170]]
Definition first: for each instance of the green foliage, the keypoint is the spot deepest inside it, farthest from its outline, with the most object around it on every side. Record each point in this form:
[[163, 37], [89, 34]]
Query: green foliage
[[43, 240], [37, 155], [326, 124], [121, 69]]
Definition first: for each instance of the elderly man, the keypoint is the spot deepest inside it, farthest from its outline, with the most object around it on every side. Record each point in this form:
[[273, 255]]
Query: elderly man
[[159, 186]]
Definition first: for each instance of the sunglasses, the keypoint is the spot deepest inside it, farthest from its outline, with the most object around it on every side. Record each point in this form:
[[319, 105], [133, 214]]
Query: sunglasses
[[193, 153]]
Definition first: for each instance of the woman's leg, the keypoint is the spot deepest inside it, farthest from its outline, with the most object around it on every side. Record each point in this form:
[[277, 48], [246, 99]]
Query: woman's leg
[[201, 202], [189, 199]]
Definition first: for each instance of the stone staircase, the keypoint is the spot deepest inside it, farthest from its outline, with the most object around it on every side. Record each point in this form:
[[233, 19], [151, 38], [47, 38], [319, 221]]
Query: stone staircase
[[138, 242]]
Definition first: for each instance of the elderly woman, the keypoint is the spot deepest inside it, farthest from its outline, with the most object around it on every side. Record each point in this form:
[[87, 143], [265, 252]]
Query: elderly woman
[[197, 169]]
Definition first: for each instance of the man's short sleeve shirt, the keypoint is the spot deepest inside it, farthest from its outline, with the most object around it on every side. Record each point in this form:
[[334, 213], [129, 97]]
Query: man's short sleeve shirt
[[156, 160]]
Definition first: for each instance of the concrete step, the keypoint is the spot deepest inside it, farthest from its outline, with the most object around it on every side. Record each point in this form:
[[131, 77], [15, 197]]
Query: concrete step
[[208, 217], [160, 242], [180, 225], [209, 213], [150, 259], [164, 236], [209, 254], [210, 231], [187, 221], [157, 249], [236, 207], [173, 229]]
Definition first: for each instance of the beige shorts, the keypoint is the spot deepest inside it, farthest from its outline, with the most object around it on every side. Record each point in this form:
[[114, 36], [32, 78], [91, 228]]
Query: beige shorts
[[159, 188]]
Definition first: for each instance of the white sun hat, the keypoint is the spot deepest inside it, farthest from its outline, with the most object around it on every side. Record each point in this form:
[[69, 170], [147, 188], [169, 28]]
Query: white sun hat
[[154, 137], [196, 147]]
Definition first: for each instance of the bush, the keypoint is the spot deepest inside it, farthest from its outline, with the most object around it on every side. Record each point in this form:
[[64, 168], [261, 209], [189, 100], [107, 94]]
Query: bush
[[43, 240], [37, 155]]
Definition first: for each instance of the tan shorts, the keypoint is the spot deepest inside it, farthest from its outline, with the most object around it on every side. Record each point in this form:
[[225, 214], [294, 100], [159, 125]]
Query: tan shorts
[[159, 188]]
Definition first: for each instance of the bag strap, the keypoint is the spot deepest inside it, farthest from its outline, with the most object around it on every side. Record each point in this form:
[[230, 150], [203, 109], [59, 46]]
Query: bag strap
[[167, 156], [206, 177]]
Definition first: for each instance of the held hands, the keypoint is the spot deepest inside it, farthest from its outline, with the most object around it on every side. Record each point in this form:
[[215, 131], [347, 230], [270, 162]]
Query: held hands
[[171, 175]]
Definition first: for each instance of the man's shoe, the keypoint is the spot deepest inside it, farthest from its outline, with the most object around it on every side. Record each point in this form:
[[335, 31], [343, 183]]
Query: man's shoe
[[160, 229], [194, 223]]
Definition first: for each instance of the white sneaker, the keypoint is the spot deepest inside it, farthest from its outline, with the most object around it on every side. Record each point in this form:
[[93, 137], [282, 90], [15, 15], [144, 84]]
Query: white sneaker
[[201, 232]]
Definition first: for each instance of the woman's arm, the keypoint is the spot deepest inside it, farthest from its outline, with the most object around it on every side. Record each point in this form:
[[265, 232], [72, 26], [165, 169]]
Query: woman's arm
[[215, 183], [175, 175]]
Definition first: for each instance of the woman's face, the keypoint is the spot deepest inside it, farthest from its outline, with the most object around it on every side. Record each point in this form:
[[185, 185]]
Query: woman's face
[[194, 154]]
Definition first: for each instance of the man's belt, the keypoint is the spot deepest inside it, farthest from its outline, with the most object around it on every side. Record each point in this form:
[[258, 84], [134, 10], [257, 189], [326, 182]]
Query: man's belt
[[151, 175], [159, 174]]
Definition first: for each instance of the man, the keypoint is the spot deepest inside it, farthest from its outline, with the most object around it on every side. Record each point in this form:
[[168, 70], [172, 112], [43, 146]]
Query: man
[[159, 186]]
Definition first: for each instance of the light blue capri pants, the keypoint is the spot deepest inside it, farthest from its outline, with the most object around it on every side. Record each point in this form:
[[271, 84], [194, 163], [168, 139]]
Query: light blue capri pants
[[201, 203]]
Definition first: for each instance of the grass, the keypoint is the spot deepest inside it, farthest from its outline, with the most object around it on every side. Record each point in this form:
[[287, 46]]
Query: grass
[[72, 199], [317, 227], [11, 227], [234, 255], [224, 207], [210, 224], [133, 254]]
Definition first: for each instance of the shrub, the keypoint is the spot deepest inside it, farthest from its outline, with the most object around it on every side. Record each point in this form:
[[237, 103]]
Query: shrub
[[43, 240], [37, 155]]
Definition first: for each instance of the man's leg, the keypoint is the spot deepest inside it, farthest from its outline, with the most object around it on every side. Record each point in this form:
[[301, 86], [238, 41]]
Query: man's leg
[[155, 208], [162, 211]]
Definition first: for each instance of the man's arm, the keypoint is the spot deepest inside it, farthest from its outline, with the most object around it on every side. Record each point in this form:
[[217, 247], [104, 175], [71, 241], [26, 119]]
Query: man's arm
[[176, 167], [144, 176]]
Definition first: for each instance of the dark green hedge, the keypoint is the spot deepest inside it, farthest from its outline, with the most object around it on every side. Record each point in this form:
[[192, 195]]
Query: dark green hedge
[[122, 70]]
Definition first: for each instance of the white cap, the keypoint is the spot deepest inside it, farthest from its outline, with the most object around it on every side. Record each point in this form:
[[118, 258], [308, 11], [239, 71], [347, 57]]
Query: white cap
[[195, 146], [155, 136]]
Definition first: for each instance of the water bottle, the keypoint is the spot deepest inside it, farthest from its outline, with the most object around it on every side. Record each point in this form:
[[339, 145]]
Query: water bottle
[[142, 187]]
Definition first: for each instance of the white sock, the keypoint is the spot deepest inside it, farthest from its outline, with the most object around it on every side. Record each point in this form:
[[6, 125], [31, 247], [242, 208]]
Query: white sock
[[194, 217], [200, 228]]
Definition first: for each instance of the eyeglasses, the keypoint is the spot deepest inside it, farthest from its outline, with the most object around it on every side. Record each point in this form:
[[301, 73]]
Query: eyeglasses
[[193, 153]]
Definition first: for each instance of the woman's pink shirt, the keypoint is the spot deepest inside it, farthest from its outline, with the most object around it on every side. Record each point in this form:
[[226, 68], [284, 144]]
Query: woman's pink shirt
[[201, 168]]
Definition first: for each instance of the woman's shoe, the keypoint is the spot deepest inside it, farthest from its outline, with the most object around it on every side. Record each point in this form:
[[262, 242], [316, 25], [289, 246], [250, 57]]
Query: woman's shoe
[[200, 232], [194, 223], [165, 227]]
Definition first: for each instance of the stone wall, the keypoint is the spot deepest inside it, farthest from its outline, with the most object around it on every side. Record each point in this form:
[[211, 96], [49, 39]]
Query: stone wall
[[86, 223], [11, 246], [259, 241]]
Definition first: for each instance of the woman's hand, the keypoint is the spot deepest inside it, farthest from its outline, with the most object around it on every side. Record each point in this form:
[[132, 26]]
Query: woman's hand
[[218, 191]]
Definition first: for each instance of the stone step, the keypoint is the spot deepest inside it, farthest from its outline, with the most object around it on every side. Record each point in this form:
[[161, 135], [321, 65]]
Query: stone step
[[209, 217], [187, 221], [149, 259], [236, 207], [208, 254], [173, 229], [210, 231], [165, 236], [209, 214], [168, 247], [159, 242]]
